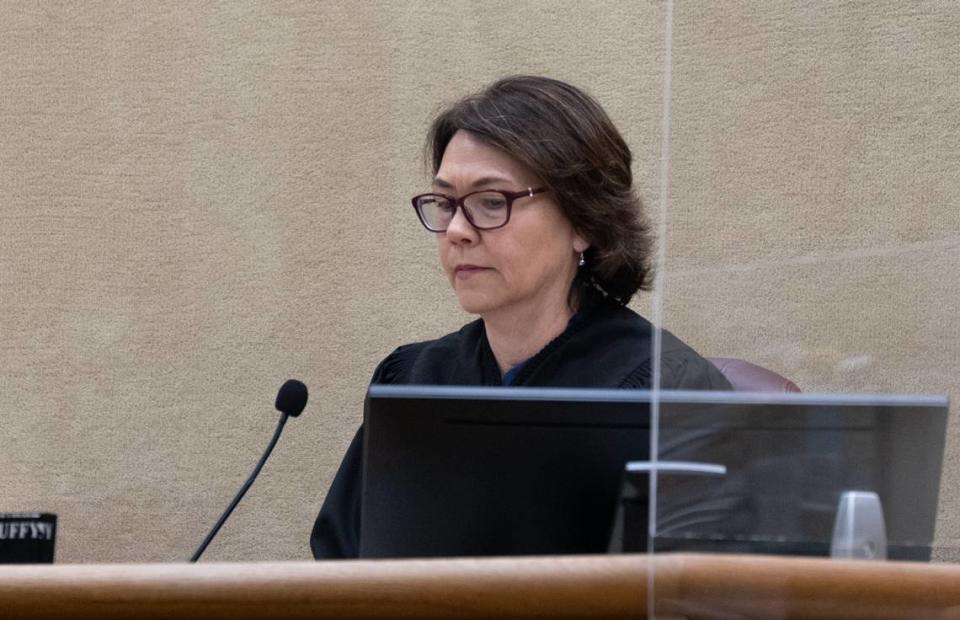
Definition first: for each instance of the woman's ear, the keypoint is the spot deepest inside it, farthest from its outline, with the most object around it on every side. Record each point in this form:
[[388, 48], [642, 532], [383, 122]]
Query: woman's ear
[[580, 244]]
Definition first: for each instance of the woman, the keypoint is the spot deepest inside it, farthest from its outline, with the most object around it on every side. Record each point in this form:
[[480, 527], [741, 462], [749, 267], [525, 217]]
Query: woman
[[542, 235]]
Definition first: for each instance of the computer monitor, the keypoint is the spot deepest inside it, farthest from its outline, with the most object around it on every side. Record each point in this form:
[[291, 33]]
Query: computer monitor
[[463, 471]]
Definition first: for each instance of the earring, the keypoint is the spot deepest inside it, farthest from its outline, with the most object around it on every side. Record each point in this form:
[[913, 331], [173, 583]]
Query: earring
[[583, 261]]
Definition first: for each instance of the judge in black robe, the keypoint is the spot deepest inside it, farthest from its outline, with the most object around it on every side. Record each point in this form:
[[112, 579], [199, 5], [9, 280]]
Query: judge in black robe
[[542, 235]]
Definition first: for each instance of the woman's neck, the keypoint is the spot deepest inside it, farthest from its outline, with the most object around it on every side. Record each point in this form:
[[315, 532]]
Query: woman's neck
[[517, 335]]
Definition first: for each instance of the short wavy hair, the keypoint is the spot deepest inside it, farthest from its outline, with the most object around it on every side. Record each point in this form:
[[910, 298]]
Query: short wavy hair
[[565, 137]]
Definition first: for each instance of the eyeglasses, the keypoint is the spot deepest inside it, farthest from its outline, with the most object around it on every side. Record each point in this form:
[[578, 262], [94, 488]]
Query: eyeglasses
[[485, 210]]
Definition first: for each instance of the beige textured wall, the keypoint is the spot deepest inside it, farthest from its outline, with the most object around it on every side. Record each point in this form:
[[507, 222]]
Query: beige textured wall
[[198, 201]]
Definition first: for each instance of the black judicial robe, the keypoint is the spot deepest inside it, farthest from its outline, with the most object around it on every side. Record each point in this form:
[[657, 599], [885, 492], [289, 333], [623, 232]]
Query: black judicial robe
[[606, 345]]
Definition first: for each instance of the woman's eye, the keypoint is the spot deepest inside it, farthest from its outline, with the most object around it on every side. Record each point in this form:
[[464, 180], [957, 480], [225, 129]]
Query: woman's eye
[[439, 205]]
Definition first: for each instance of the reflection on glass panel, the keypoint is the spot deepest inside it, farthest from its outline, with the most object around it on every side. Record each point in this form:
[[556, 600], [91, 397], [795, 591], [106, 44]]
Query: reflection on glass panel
[[788, 461], [809, 231]]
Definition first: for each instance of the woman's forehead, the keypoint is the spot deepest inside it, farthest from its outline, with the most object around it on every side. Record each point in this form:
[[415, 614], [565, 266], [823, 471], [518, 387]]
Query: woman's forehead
[[468, 160]]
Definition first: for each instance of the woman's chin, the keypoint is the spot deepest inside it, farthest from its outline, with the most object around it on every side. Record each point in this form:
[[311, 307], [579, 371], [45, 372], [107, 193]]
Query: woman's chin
[[474, 304]]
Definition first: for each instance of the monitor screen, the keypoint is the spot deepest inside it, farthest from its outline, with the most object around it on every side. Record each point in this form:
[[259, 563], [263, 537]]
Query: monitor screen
[[462, 471]]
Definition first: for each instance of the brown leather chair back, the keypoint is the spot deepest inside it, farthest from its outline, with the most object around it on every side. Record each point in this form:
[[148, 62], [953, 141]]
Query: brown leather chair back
[[747, 377]]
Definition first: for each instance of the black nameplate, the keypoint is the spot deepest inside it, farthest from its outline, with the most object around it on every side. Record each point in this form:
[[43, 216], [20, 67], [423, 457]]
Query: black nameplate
[[27, 537]]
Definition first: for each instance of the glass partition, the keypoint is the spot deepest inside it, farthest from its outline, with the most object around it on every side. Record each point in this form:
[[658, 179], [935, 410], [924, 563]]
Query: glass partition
[[809, 245]]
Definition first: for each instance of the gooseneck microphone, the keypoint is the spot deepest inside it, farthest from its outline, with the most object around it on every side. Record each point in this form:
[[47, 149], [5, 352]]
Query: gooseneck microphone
[[291, 399]]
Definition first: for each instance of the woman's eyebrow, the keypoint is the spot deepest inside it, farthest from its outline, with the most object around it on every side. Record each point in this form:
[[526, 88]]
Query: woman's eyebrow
[[488, 180]]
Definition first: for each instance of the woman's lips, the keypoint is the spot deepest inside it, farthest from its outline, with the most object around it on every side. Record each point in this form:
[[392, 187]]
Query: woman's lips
[[467, 271]]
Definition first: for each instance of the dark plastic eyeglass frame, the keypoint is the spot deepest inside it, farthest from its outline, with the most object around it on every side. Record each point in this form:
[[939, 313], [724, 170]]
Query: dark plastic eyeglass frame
[[458, 204]]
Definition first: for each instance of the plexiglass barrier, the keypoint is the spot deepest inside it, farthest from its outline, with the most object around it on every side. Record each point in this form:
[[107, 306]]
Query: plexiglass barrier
[[807, 247]]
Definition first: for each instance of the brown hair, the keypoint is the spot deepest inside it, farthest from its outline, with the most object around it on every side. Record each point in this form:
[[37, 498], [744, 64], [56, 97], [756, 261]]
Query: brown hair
[[569, 142]]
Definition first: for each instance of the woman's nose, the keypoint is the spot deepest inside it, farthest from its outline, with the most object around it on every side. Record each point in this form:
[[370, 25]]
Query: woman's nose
[[460, 230]]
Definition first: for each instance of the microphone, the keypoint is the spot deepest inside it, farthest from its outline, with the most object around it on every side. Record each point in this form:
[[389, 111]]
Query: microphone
[[291, 399]]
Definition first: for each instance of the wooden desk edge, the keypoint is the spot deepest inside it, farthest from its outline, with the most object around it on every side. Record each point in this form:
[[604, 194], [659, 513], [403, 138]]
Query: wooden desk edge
[[560, 587]]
